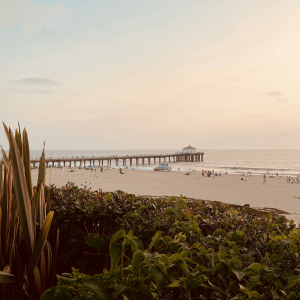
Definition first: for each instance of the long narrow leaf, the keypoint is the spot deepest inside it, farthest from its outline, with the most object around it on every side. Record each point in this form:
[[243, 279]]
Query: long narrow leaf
[[40, 243], [20, 189], [37, 281], [53, 275], [5, 158], [43, 272], [19, 142], [42, 169], [27, 163], [50, 263], [42, 207], [7, 278], [4, 211]]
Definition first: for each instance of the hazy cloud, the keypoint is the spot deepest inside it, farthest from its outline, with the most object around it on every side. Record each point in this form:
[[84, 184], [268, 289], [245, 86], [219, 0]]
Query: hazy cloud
[[276, 94], [33, 85], [38, 81]]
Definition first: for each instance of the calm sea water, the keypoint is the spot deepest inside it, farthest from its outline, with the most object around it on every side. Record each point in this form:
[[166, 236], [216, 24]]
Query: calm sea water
[[283, 162]]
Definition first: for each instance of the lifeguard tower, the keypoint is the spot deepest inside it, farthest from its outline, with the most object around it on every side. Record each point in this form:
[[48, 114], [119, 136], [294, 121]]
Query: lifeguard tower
[[163, 167]]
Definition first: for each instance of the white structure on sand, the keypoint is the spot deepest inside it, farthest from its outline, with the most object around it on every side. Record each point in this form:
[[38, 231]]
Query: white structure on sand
[[189, 149]]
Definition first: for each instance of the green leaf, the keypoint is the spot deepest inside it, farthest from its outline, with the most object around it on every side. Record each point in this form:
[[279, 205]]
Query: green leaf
[[143, 288], [155, 239], [202, 278], [142, 208], [239, 273], [57, 293], [256, 267], [193, 284], [276, 258], [115, 255], [118, 235], [175, 284], [236, 250], [158, 276], [293, 281], [245, 290], [119, 289], [138, 258], [172, 199], [293, 248], [236, 262], [97, 289], [275, 294], [219, 232], [255, 294], [136, 245], [168, 211], [239, 237], [7, 278], [40, 243], [180, 203]]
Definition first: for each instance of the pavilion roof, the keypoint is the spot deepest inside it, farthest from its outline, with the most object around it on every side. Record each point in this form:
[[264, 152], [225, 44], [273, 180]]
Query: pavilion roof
[[189, 147]]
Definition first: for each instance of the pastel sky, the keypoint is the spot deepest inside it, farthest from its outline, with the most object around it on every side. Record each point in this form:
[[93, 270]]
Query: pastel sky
[[151, 74]]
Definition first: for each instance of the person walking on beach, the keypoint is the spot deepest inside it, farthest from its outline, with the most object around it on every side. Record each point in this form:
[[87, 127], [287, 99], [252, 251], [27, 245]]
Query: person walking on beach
[[90, 187], [265, 181], [85, 185]]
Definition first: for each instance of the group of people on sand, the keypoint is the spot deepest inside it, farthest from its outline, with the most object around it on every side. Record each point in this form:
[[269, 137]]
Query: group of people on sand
[[289, 179], [210, 173], [293, 180]]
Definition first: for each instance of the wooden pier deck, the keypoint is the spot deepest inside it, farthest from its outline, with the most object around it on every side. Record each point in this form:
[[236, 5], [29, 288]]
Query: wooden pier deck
[[122, 160]]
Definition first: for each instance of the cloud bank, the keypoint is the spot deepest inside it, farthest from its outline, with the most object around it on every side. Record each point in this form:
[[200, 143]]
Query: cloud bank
[[33, 85]]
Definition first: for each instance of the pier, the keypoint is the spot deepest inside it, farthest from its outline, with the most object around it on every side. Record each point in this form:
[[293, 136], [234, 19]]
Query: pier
[[121, 160]]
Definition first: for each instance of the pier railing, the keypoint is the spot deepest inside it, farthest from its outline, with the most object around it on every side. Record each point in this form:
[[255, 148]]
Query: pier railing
[[124, 159]]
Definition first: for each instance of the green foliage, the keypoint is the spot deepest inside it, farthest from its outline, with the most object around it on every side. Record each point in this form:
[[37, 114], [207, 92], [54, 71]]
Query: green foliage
[[27, 261], [175, 249]]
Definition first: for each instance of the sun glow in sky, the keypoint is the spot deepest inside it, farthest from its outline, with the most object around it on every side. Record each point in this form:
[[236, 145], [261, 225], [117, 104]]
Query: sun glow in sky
[[161, 74]]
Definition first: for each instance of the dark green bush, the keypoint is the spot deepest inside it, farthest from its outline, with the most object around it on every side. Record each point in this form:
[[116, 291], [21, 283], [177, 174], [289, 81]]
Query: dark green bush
[[138, 248]]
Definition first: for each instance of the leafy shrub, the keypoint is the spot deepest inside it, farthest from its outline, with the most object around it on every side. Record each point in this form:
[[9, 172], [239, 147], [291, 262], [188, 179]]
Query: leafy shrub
[[194, 250]]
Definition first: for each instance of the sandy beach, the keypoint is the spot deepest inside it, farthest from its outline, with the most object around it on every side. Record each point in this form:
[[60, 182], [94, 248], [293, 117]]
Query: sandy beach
[[277, 193]]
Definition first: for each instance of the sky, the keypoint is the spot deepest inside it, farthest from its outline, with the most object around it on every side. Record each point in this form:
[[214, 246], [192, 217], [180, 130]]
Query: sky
[[151, 74]]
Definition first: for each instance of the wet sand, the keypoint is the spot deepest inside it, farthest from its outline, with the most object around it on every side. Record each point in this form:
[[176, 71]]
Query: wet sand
[[278, 193]]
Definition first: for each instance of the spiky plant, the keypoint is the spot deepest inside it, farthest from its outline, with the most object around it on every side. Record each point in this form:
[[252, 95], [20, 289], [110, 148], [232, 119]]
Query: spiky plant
[[26, 259]]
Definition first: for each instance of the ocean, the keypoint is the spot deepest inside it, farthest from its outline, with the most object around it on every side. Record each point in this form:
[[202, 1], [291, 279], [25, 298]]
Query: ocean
[[283, 162]]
